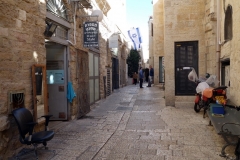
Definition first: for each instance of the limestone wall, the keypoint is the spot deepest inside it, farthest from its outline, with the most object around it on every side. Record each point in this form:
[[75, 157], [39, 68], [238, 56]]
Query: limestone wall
[[22, 42], [21, 37], [210, 22], [102, 65], [190, 20], [158, 38], [183, 21], [150, 24], [231, 49], [207, 59]]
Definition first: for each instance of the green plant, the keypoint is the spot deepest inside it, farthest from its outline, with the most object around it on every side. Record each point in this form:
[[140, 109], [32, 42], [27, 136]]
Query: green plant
[[133, 62]]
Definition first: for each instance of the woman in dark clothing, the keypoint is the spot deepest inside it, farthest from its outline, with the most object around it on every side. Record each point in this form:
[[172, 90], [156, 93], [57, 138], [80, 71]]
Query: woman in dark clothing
[[151, 76], [140, 77], [146, 74]]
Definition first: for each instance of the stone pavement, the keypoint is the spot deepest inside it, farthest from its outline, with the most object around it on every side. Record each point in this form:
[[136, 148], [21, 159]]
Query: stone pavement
[[135, 124]]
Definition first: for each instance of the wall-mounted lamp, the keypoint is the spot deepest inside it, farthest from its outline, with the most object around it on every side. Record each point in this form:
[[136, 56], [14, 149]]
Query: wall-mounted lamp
[[98, 14], [50, 28]]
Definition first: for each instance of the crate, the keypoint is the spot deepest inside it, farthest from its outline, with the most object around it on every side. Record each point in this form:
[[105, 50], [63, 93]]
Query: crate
[[217, 108]]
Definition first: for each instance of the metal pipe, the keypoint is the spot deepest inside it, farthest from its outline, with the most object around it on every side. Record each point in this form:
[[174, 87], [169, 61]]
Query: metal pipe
[[218, 47]]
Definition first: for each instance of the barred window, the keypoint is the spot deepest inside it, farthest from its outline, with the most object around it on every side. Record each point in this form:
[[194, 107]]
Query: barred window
[[228, 24]]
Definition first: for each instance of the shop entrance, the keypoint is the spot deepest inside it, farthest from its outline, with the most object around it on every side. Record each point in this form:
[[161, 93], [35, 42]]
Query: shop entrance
[[56, 80]]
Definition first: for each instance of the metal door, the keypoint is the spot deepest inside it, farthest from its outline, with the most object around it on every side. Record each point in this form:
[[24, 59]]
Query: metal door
[[94, 84], [186, 56], [161, 70], [115, 74], [57, 80], [83, 83], [225, 75]]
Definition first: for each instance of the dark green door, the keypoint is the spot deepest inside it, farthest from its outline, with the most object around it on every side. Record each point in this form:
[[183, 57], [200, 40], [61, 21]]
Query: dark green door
[[115, 74]]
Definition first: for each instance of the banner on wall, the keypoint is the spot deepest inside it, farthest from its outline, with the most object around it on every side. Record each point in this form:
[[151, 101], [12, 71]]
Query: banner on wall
[[90, 34], [113, 41]]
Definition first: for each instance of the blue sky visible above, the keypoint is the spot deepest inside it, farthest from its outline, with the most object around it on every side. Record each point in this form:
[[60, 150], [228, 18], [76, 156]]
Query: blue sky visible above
[[138, 13]]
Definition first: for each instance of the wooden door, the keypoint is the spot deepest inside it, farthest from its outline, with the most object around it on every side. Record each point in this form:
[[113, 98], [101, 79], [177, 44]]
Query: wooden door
[[83, 83]]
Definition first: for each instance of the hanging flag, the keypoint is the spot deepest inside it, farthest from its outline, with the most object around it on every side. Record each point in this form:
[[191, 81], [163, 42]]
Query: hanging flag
[[135, 36]]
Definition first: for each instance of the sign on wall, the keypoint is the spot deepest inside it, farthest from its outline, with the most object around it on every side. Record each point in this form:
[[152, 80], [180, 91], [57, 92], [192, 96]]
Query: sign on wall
[[90, 34], [113, 41]]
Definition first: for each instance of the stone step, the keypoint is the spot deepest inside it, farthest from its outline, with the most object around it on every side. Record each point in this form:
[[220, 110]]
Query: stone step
[[184, 104]]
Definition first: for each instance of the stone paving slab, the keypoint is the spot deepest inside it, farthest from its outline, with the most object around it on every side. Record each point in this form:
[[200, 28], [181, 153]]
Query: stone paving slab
[[135, 124]]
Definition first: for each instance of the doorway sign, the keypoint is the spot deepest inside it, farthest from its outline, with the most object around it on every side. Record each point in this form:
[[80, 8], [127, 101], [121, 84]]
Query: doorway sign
[[90, 34]]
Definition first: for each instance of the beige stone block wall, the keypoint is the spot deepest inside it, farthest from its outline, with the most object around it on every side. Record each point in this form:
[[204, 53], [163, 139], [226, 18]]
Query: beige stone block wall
[[104, 57], [102, 65], [196, 20], [72, 58], [21, 36], [158, 38], [150, 61], [183, 22], [231, 49], [210, 21]]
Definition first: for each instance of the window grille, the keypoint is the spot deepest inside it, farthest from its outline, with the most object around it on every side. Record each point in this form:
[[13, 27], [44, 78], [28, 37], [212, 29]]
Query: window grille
[[108, 82], [61, 32], [58, 8], [15, 100]]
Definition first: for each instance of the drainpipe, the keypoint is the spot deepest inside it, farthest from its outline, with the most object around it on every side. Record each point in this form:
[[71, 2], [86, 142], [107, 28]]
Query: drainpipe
[[218, 47]]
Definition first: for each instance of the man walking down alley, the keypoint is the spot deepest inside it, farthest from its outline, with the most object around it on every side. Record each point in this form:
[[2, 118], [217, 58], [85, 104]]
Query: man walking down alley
[[135, 124], [151, 76]]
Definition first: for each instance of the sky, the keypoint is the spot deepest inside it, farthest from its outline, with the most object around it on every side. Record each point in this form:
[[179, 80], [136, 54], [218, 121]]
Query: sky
[[138, 13]]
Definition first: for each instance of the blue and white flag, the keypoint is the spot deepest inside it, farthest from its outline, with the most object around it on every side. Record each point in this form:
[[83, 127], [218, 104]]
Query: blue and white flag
[[135, 36]]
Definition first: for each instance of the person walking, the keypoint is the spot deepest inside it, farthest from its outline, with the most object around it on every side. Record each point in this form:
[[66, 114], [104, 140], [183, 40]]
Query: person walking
[[146, 74], [141, 77], [151, 76], [135, 76]]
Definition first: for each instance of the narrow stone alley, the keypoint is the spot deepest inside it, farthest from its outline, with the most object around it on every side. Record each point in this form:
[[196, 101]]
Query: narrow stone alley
[[135, 124]]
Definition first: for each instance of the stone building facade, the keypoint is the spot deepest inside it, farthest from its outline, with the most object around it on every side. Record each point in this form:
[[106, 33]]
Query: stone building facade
[[150, 36], [25, 43], [199, 34]]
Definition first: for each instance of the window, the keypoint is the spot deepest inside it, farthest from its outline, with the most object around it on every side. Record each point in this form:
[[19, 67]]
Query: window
[[228, 24], [225, 72], [58, 8], [152, 29]]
